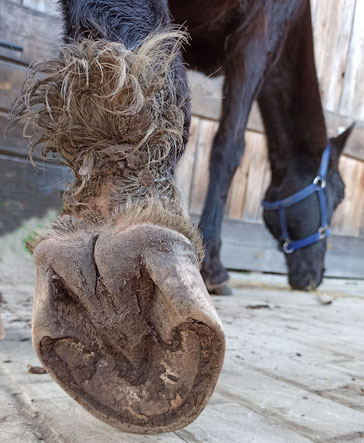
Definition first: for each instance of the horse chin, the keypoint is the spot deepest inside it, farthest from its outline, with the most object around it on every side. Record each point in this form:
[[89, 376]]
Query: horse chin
[[303, 282], [306, 268]]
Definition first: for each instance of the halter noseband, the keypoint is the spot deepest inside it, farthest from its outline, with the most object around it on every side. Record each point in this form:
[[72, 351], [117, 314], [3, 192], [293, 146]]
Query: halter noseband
[[318, 185]]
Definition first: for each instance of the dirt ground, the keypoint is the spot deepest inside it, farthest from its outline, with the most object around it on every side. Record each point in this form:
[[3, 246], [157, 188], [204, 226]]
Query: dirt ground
[[294, 368]]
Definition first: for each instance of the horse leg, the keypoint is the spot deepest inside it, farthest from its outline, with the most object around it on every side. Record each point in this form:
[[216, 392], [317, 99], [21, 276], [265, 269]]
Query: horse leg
[[122, 319], [250, 53]]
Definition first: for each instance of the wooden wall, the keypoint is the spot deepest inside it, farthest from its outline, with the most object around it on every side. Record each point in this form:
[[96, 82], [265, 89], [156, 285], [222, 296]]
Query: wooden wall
[[339, 35], [25, 192]]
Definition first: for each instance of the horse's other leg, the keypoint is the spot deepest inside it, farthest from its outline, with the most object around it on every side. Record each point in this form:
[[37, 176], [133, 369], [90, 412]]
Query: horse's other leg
[[290, 105], [251, 51], [122, 319]]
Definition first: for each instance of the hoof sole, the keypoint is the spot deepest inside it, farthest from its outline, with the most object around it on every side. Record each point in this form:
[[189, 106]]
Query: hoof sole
[[124, 324]]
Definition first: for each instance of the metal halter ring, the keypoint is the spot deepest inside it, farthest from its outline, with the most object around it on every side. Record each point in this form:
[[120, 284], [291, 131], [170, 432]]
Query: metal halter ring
[[286, 248], [323, 232], [319, 182]]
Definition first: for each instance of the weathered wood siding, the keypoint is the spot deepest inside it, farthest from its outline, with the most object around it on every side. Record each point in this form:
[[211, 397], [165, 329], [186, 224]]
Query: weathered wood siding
[[339, 34]]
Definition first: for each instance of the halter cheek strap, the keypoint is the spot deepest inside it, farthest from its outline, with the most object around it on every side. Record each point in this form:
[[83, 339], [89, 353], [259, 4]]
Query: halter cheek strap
[[318, 185]]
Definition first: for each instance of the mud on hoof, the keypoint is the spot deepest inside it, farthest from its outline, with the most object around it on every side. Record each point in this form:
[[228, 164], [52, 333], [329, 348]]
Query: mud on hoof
[[123, 322]]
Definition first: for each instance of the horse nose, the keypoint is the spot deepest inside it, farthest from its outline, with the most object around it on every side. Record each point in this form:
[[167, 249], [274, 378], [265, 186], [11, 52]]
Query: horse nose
[[303, 282]]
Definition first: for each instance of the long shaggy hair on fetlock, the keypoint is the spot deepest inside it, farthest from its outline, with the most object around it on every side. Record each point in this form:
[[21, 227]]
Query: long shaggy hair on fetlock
[[113, 116]]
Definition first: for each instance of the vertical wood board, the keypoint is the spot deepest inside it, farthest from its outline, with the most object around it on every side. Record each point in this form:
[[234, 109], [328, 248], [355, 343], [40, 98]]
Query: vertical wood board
[[352, 102], [238, 189], [201, 175], [185, 167], [348, 217], [257, 167], [332, 22]]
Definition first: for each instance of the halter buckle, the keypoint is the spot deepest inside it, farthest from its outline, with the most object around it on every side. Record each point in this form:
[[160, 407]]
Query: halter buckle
[[323, 232], [286, 248], [320, 182]]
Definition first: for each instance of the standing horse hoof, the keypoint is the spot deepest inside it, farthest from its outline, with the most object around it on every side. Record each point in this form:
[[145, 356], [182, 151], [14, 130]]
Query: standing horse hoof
[[223, 288], [123, 323]]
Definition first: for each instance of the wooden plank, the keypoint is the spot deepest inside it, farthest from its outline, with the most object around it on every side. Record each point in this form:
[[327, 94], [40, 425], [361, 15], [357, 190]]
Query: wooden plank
[[361, 228], [185, 167], [11, 79], [347, 218], [238, 188], [353, 92], [206, 97], [257, 166], [313, 416], [201, 173], [296, 357], [206, 94], [332, 23], [301, 334], [226, 416], [249, 246], [265, 183], [26, 192], [11, 140], [46, 6], [37, 33]]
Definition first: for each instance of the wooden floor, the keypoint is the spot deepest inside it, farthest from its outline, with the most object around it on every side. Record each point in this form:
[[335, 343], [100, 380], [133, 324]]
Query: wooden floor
[[294, 369]]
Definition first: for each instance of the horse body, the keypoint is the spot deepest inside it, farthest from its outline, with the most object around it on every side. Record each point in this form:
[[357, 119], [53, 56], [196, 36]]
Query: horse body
[[209, 24], [122, 319]]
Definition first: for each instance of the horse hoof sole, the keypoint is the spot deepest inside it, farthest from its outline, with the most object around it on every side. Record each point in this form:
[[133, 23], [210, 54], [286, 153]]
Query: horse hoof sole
[[122, 321]]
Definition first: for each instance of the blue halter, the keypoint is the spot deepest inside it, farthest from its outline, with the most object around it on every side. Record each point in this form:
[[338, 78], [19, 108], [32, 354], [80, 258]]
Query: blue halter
[[318, 185]]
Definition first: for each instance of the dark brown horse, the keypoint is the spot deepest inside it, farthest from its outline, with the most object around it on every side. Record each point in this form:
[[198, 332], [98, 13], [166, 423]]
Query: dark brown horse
[[265, 49], [122, 319]]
